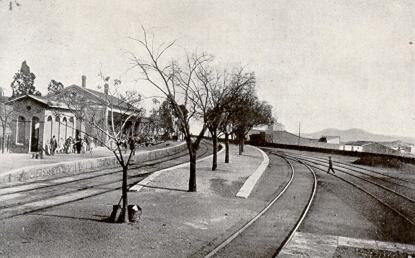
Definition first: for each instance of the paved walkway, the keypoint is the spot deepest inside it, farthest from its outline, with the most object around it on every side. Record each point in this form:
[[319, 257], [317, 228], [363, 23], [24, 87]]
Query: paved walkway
[[12, 161], [326, 246]]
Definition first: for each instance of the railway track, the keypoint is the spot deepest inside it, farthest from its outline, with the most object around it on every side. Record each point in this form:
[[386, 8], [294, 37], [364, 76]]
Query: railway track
[[23, 198], [399, 189], [407, 183], [281, 205], [400, 204]]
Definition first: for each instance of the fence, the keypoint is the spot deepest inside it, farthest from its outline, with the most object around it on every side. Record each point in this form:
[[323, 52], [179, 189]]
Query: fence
[[7, 142]]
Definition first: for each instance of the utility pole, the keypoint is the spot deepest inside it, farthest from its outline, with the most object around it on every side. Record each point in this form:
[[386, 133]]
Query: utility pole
[[299, 135]]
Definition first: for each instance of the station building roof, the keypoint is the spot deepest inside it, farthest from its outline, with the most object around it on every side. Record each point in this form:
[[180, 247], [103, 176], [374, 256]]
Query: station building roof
[[359, 143]]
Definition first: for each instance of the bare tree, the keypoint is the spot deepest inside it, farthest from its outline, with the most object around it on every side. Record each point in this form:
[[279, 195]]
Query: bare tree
[[107, 121], [183, 87], [236, 104], [225, 92], [55, 87]]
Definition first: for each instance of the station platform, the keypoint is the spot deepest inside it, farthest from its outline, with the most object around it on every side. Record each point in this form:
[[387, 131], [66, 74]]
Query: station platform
[[11, 161], [173, 222], [22, 166]]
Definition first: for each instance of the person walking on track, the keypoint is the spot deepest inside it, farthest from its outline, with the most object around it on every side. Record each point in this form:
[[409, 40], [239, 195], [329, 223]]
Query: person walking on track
[[330, 166]]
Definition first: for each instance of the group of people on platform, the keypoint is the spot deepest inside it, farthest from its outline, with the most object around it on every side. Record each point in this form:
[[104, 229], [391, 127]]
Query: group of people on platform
[[70, 145], [83, 145]]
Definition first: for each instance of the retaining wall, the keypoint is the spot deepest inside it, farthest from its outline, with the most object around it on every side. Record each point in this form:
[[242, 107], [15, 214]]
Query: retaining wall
[[77, 166]]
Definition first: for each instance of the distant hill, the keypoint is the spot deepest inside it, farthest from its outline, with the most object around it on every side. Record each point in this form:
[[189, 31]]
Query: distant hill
[[359, 135]]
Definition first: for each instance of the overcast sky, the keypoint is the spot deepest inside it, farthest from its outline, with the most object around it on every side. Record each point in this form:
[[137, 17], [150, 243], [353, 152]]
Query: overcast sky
[[338, 64]]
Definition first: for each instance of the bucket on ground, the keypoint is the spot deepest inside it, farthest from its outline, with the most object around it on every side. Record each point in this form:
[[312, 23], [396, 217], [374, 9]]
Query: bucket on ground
[[134, 212], [114, 213]]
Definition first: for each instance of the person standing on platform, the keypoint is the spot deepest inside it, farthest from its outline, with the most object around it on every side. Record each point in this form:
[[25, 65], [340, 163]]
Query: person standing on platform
[[78, 144], [53, 145]]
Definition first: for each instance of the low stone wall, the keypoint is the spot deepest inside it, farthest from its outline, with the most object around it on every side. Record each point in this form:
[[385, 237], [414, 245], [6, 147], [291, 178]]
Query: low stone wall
[[77, 166]]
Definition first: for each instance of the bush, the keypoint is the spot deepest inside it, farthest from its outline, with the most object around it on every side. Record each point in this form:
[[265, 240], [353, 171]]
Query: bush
[[378, 161]]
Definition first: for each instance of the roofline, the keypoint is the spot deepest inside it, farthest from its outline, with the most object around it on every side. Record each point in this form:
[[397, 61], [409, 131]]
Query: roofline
[[99, 98], [27, 95], [47, 103], [84, 89], [364, 144]]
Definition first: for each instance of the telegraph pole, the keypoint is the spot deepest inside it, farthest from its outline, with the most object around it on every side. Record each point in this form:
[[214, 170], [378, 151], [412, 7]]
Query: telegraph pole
[[299, 135]]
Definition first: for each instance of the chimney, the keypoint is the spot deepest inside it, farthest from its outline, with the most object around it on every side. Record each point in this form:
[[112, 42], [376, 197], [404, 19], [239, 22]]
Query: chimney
[[106, 88], [83, 81]]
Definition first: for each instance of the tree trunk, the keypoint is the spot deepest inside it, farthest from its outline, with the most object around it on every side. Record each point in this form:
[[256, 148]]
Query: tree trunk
[[241, 145], [192, 177], [215, 150], [226, 148], [3, 144], [123, 215]]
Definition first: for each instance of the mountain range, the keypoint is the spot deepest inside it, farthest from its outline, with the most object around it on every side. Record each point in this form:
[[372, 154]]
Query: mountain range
[[358, 135]]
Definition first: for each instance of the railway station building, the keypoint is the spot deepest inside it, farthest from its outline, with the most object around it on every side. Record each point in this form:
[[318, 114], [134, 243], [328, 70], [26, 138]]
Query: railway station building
[[37, 119]]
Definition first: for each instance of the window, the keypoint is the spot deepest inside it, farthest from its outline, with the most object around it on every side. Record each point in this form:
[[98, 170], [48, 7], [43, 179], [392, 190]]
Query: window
[[21, 130]]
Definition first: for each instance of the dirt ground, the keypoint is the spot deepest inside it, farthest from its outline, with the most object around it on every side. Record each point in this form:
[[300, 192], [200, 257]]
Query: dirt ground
[[174, 223]]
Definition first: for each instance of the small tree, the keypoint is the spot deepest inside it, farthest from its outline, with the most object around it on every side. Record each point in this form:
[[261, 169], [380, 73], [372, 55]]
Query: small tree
[[23, 82], [249, 112], [166, 119], [55, 87], [122, 109]]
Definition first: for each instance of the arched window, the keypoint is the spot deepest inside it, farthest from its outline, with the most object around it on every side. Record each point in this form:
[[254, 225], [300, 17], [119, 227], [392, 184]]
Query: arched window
[[49, 129], [21, 130]]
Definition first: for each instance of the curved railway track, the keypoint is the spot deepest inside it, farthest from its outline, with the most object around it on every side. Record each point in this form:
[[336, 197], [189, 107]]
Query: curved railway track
[[238, 234], [400, 204], [398, 189], [361, 169], [28, 197]]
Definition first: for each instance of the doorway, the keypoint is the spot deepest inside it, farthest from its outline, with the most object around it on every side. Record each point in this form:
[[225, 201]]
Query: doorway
[[34, 146]]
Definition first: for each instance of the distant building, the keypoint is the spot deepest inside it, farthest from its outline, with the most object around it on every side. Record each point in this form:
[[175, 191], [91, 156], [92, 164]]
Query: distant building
[[367, 146], [266, 131], [330, 139]]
